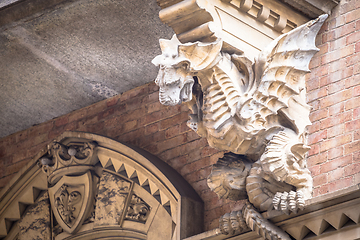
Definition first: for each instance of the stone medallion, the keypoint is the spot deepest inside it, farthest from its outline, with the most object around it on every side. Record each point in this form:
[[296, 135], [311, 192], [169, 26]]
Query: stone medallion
[[71, 200]]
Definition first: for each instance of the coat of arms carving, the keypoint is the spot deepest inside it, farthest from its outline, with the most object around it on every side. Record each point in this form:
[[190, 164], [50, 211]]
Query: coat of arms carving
[[71, 198]]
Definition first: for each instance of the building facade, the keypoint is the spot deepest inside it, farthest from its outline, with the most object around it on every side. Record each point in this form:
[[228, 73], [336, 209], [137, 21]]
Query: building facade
[[137, 118]]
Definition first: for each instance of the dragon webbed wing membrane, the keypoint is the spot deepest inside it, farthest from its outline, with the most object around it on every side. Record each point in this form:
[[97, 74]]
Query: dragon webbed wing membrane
[[280, 73]]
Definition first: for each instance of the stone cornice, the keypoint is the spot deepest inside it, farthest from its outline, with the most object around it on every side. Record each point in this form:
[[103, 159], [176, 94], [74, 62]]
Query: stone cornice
[[312, 8], [309, 8], [324, 217]]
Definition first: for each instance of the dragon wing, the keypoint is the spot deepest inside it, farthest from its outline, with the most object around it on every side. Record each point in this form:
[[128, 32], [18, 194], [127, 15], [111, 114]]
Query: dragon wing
[[280, 73]]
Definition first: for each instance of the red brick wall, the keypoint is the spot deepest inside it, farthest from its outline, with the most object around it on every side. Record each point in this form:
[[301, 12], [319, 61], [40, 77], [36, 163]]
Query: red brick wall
[[137, 117], [334, 93]]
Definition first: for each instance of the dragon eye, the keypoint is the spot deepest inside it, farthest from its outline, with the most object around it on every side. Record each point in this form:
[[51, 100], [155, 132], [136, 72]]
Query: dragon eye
[[185, 66]]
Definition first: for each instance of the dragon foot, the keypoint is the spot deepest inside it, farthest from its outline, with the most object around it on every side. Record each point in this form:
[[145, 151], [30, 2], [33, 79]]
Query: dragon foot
[[289, 201], [249, 219]]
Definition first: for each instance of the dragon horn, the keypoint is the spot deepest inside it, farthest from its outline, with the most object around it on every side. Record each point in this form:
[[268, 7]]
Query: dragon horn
[[201, 55], [169, 45]]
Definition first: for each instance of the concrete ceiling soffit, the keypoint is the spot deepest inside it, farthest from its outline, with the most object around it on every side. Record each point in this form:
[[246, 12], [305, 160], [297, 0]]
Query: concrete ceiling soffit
[[13, 10], [91, 182], [72, 53], [245, 26]]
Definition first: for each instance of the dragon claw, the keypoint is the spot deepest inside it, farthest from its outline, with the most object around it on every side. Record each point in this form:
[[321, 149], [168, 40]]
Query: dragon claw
[[247, 219], [232, 223], [289, 201]]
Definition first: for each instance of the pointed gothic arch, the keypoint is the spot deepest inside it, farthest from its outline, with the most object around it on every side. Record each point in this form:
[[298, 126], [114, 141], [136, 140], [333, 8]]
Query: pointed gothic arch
[[86, 186]]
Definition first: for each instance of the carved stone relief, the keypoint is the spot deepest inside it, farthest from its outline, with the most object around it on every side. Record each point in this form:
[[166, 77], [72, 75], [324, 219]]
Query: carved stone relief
[[71, 200], [75, 158], [111, 199], [36, 222], [68, 202], [82, 193], [97, 188], [137, 210], [78, 198], [256, 111]]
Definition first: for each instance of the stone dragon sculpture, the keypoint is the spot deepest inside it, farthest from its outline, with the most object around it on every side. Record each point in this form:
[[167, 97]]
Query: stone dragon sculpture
[[256, 112]]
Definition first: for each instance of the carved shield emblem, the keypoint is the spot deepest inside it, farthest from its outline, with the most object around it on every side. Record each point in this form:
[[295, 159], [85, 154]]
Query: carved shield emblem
[[71, 200]]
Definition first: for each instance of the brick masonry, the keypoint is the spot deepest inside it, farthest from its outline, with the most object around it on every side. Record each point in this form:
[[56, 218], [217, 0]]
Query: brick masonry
[[334, 93], [136, 117]]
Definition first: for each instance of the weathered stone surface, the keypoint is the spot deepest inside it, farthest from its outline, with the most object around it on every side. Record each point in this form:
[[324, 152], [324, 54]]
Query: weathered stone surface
[[313, 8], [162, 226], [14, 10], [110, 202], [35, 224]]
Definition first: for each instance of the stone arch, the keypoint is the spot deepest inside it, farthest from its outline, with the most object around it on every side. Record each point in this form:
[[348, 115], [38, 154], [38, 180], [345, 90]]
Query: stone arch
[[86, 186]]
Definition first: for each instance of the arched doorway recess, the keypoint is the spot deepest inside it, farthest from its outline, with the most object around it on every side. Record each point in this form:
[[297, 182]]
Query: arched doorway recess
[[86, 186]]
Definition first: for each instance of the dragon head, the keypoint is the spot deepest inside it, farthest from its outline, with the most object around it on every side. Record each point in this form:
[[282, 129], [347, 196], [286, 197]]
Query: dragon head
[[174, 79], [178, 64]]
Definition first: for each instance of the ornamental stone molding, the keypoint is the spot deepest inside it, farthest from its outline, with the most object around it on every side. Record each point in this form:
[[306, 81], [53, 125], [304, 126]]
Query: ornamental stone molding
[[245, 26], [255, 111], [84, 186], [330, 216]]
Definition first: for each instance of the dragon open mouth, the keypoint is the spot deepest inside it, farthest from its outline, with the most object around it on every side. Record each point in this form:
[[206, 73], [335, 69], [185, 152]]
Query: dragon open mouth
[[186, 92]]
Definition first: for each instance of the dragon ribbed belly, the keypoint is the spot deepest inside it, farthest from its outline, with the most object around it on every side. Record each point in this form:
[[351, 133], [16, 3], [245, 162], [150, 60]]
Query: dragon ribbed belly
[[223, 127]]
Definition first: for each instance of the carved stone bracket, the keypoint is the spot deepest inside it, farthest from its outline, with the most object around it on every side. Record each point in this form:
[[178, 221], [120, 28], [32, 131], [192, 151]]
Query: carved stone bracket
[[257, 111], [245, 26]]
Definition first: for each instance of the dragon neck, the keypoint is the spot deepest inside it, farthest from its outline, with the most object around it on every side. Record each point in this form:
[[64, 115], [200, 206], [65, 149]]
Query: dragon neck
[[222, 86], [220, 100]]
